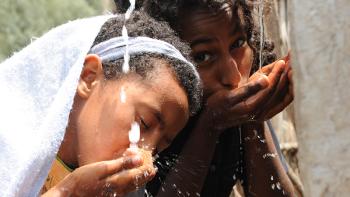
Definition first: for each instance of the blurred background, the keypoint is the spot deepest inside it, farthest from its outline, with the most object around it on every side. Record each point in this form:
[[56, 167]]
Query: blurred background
[[24, 20]]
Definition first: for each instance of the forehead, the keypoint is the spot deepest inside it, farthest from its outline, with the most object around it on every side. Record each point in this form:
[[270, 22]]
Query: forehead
[[166, 95], [204, 21]]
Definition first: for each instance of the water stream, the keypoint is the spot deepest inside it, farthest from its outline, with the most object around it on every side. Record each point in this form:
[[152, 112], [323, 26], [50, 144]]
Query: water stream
[[261, 26]]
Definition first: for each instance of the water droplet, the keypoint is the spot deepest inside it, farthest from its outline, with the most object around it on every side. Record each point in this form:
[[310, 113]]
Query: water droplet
[[273, 186], [271, 178], [197, 194], [278, 185], [122, 95]]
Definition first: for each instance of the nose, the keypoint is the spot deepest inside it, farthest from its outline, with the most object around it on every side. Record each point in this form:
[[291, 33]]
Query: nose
[[229, 73]]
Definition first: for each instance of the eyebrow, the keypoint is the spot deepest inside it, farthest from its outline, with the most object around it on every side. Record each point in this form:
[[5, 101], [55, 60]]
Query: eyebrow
[[204, 40]]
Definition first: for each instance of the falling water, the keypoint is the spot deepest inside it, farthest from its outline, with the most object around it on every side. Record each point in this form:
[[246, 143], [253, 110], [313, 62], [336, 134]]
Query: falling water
[[125, 36], [134, 134], [261, 24]]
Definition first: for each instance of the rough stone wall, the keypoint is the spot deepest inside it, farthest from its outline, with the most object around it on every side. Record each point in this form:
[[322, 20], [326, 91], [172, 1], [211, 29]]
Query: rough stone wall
[[320, 42]]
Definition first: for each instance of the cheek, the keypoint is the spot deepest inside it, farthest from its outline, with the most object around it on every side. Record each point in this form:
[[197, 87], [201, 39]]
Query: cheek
[[110, 137], [208, 79], [244, 58], [150, 139]]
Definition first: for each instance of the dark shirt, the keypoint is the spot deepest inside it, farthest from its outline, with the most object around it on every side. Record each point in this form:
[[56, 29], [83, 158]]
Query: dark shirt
[[225, 169]]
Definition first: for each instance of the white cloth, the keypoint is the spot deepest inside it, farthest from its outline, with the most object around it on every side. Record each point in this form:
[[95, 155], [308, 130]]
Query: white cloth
[[37, 87], [115, 48]]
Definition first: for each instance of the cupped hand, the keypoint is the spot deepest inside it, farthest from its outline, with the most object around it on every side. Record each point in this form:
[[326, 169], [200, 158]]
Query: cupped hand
[[110, 178], [228, 108], [281, 93]]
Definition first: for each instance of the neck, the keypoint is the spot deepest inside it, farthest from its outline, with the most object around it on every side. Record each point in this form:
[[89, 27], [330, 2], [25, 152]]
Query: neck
[[67, 152]]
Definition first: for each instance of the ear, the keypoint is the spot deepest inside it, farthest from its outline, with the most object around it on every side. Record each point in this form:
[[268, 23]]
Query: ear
[[91, 74]]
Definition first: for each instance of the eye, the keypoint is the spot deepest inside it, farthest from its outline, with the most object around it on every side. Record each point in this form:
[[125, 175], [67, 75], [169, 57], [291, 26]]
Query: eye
[[202, 57], [238, 43], [143, 123]]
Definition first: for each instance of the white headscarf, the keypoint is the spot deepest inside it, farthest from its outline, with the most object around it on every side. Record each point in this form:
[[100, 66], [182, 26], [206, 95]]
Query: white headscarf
[[37, 87]]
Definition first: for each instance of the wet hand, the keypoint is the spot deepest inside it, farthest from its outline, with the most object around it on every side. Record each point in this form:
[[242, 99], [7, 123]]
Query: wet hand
[[281, 91], [110, 178], [228, 108]]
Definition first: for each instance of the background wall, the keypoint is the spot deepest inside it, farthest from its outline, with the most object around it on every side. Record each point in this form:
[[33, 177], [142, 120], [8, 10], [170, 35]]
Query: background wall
[[320, 42]]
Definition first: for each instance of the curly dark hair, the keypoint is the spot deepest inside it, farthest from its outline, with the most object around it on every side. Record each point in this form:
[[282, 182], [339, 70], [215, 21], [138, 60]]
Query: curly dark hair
[[140, 24], [168, 10]]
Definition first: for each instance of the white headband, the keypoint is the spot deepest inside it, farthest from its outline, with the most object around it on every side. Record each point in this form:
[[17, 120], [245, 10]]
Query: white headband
[[114, 48]]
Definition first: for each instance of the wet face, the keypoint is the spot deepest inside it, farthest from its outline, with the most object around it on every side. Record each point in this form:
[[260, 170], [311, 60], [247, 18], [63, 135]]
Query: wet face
[[219, 47], [104, 120]]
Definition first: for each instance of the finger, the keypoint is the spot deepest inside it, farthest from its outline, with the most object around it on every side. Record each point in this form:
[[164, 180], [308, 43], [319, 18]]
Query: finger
[[279, 93], [287, 57], [113, 166], [250, 105], [267, 69], [243, 92], [281, 86], [283, 99], [132, 151], [129, 180], [276, 73], [281, 106], [290, 77]]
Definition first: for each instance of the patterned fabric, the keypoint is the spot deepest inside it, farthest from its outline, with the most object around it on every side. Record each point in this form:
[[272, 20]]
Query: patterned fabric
[[57, 173]]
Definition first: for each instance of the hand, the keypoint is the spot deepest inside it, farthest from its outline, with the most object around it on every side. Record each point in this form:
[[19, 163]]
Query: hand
[[282, 94], [228, 108], [108, 178]]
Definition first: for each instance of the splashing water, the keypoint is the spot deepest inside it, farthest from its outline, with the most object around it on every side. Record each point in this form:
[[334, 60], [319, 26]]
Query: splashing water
[[125, 36], [134, 134], [126, 66], [123, 95]]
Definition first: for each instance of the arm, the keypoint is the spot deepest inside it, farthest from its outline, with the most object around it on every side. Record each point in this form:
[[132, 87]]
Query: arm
[[223, 110], [264, 173], [198, 151], [193, 162], [107, 178]]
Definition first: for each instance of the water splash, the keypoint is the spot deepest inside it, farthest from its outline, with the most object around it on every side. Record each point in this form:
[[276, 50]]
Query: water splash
[[134, 135], [126, 67], [130, 9], [123, 95], [125, 36]]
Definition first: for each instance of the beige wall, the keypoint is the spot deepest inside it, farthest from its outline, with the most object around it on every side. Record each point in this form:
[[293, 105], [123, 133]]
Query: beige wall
[[320, 42]]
